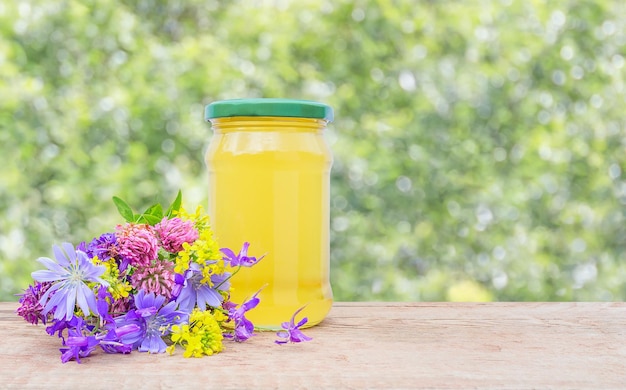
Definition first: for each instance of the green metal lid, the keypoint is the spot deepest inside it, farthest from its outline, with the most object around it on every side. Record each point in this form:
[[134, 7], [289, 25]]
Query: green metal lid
[[268, 107]]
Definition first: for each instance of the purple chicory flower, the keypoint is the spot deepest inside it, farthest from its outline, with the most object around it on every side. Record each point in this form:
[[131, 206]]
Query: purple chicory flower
[[193, 292], [292, 332], [69, 273], [244, 328], [153, 321], [240, 260]]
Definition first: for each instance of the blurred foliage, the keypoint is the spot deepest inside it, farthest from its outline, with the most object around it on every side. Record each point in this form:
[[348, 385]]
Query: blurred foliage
[[479, 145]]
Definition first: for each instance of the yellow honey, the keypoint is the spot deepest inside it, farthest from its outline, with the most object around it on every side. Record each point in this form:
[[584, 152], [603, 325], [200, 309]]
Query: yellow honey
[[269, 184]]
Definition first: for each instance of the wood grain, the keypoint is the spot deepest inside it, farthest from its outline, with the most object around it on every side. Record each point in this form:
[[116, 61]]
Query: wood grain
[[362, 345]]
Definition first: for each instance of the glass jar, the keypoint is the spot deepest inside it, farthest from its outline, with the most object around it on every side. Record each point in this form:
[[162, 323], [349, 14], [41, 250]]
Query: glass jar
[[269, 184]]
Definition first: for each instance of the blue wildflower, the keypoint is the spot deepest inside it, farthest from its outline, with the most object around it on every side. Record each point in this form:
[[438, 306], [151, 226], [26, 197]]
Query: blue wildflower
[[153, 321], [110, 338], [244, 328], [58, 326], [240, 260], [102, 303], [195, 292], [292, 332], [77, 344], [69, 273], [82, 338]]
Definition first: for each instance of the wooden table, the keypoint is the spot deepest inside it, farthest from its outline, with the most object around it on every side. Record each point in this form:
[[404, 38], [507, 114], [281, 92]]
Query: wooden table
[[361, 345]]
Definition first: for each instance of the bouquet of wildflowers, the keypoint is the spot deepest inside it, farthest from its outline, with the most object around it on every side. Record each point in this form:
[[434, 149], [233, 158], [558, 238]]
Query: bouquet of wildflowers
[[158, 281]]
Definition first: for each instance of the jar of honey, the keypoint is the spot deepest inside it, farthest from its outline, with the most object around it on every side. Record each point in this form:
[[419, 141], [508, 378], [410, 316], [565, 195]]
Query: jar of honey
[[269, 184]]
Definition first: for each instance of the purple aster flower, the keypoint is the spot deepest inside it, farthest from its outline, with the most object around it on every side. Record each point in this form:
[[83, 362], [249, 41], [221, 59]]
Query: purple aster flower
[[240, 260], [292, 332], [137, 243], [194, 292], [82, 246], [103, 246], [153, 321], [174, 232], [244, 328], [69, 273], [30, 308]]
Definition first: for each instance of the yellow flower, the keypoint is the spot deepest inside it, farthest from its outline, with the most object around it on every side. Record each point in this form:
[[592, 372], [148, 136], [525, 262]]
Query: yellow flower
[[220, 316], [203, 249], [193, 347], [183, 258], [180, 333], [199, 218], [202, 336], [118, 288]]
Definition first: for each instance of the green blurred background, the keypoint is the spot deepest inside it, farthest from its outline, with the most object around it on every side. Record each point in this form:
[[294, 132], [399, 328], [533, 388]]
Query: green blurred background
[[479, 145]]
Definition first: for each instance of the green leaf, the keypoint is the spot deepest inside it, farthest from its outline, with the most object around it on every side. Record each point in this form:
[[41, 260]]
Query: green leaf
[[155, 210], [124, 209], [149, 219], [152, 216], [175, 206]]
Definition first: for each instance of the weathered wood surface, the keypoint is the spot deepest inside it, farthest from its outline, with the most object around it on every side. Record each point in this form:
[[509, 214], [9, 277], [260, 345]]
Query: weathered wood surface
[[362, 345]]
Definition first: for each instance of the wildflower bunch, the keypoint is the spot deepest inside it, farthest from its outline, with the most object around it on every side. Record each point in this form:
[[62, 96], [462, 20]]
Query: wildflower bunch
[[156, 282]]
